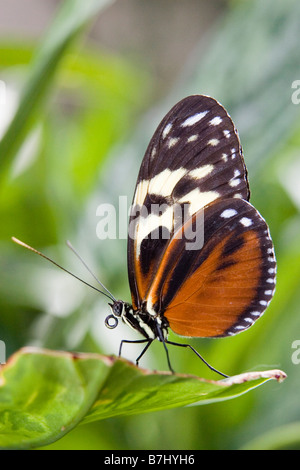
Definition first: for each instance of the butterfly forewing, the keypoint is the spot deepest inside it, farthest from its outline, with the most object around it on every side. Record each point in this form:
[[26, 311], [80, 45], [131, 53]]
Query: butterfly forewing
[[193, 159]]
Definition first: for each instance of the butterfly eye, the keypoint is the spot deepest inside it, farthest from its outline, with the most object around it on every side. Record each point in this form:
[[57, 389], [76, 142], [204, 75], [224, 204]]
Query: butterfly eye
[[111, 322], [117, 308]]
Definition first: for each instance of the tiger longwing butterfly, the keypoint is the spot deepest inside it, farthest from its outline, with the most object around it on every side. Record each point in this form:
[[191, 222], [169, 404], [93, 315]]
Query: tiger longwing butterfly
[[200, 256]]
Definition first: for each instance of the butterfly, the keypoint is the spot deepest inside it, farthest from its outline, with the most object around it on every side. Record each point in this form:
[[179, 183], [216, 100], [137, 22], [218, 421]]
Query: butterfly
[[201, 260], [219, 287]]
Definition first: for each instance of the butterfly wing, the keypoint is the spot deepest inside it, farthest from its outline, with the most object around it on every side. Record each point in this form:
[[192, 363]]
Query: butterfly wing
[[223, 287], [194, 158]]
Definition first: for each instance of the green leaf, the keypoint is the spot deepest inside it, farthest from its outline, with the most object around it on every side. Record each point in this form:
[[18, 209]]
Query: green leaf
[[130, 390], [44, 394], [72, 17]]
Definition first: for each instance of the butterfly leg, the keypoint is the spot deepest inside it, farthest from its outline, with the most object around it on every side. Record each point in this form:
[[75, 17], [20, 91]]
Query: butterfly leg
[[164, 341], [168, 358], [196, 352], [144, 350], [149, 341]]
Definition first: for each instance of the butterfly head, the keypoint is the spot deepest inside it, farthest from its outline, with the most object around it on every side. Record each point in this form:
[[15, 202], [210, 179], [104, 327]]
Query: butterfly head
[[149, 326], [118, 310]]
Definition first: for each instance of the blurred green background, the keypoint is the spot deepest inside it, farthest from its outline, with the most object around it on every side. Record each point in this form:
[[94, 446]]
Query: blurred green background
[[83, 86]]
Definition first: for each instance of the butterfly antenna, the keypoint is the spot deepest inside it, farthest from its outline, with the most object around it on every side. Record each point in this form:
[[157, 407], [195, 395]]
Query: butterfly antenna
[[19, 242], [89, 270]]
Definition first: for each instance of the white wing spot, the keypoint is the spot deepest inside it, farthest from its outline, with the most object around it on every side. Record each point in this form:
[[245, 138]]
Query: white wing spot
[[161, 184], [164, 183], [190, 121], [256, 314], [151, 310], [246, 222], [198, 200], [148, 224], [228, 213], [263, 302], [166, 130], [268, 292], [216, 121], [226, 133], [141, 192], [234, 182], [172, 141], [213, 142], [193, 138], [201, 172], [225, 157], [153, 153]]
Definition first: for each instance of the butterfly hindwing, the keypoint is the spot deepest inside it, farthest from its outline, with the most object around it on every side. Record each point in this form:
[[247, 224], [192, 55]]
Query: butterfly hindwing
[[221, 288], [194, 158]]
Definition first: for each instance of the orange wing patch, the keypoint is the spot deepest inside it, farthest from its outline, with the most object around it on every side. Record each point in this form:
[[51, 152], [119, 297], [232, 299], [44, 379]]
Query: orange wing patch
[[211, 301]]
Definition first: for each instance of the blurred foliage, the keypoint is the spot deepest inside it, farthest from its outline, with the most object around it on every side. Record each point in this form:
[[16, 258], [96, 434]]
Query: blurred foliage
[[82, 146]]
